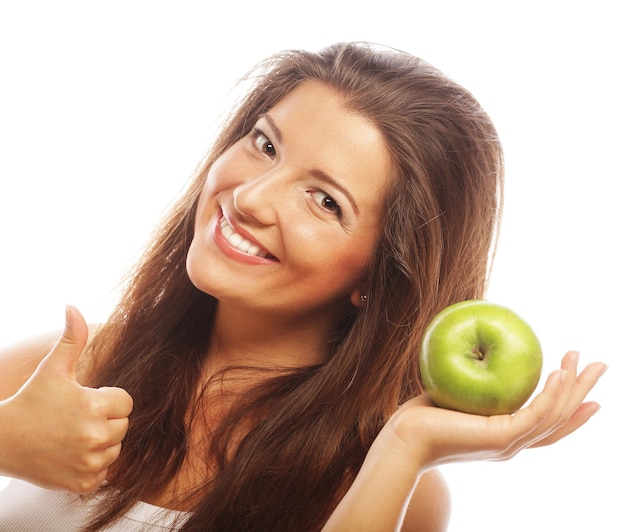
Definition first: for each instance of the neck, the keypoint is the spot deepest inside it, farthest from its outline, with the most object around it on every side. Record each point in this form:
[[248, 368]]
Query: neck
[[243, 338]]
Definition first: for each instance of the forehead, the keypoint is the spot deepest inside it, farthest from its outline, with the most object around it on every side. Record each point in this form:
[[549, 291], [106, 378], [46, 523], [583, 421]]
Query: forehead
[[315, 125]]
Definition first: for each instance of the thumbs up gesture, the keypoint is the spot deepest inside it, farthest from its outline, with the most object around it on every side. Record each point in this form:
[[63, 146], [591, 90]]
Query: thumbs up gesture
[[56, 433]]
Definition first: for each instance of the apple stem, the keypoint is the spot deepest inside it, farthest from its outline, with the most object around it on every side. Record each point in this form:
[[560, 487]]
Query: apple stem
[[479, 353]]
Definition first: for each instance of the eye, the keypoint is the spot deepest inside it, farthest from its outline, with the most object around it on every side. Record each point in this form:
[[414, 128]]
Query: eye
[[326, 202], [263, 143]]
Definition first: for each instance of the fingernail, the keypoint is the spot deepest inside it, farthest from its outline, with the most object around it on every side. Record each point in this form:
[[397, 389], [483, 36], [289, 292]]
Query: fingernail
[[68, 316]]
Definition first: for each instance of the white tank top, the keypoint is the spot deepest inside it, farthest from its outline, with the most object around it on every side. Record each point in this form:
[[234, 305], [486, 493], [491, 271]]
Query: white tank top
[[28, 508]]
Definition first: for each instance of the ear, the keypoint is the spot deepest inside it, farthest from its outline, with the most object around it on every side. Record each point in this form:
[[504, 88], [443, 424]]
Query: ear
[[357, 298]]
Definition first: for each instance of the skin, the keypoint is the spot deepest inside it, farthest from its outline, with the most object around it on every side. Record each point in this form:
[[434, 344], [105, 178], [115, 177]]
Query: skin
[[54, 432], [278, 309], [320, 231], [421, 436]]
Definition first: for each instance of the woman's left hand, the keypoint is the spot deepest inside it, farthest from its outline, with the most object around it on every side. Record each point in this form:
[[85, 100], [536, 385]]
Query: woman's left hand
[[440, 436], [421, 436]]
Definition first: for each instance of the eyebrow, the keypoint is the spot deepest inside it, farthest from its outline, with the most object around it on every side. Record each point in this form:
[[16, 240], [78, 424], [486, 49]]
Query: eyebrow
[[323, 176], [316, 172], [276, 132]]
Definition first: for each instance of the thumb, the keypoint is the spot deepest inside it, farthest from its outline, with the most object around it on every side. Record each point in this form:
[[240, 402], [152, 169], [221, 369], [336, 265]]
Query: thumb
[[66, 352]]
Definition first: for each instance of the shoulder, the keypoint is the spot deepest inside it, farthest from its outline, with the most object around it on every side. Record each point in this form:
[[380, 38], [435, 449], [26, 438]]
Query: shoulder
[[429, 508], [19, 360]]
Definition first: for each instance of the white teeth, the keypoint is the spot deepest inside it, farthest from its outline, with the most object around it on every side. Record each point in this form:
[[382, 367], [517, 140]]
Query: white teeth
[[239, 242]]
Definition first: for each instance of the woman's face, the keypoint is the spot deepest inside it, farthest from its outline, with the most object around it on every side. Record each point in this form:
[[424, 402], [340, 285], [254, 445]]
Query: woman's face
[[290, 214]]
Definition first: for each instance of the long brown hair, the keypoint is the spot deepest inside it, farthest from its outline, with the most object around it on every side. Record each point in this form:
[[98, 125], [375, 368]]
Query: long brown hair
[[308, 430]]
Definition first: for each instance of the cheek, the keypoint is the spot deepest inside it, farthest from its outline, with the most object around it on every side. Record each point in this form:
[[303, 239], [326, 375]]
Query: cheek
[[216, 182], [215, 178], [335, 260], [353, 265], [225, 170], [354, 256], [203, 210]]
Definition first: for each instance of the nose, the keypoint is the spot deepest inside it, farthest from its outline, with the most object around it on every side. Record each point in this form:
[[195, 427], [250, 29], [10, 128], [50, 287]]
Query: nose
[[259, 197]]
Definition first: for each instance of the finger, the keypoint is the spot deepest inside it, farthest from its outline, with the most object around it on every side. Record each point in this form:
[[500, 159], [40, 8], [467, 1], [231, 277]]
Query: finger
[[584, 382], [111, 454], [580, 416], [567, 415], [559, 398], [117, 429], [576, 413], [66, 352], [573, 391], [530, 420], [119, 404], [85, 484], [569, 367]]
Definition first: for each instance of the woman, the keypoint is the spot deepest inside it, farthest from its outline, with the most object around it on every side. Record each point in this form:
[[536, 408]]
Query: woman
[[269, 335]]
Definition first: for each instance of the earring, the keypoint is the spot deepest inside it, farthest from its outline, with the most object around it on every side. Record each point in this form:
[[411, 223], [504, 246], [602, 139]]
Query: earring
[[363, 299]]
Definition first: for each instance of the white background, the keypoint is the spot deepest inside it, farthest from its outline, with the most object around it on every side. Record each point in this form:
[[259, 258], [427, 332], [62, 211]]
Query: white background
[[106, 107]]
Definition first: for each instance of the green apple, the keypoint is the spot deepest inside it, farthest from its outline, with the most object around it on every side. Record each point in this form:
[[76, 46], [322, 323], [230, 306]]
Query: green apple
[[480, 358]]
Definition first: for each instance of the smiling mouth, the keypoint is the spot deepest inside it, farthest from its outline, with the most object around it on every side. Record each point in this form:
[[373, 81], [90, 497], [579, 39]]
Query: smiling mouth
[[242, 244]]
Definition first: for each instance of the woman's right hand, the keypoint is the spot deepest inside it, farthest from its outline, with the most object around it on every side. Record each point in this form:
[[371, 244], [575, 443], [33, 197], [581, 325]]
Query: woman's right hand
[[56, 433]]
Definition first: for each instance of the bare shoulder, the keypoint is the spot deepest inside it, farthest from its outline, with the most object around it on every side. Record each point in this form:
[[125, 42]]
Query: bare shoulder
[[19, 360], [429, 509]]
